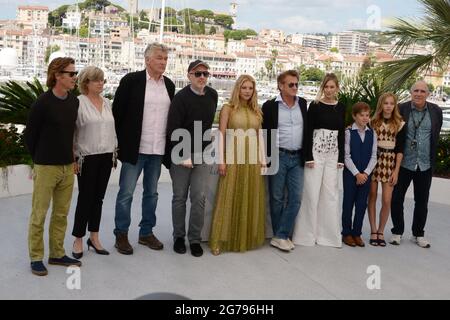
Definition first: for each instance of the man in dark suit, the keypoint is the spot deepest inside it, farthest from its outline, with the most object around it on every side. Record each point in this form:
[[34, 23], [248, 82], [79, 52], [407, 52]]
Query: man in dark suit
[[285, 115], [424, 121], [140, 109]]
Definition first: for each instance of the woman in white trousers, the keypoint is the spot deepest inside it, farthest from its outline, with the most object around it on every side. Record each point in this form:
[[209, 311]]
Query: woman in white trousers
[[319, 220]]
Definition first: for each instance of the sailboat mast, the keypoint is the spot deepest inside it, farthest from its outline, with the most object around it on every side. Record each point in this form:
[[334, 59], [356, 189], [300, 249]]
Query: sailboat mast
[[161, 29]]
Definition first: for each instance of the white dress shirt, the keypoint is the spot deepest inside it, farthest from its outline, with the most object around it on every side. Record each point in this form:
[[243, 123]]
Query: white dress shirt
[[94, 132], [154, 122]]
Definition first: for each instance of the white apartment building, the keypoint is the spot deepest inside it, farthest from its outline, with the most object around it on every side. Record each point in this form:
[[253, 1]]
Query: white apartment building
[[261, 62], [221, 65], [272, 35], [72, 19], [446, 81], [317, 42], [329, 63], [246, 63], [101, 24], [198, 42], [350, 42], [308, 41], [296, 38], [352, 65], [33, 17], [235, 46], [20, 40]]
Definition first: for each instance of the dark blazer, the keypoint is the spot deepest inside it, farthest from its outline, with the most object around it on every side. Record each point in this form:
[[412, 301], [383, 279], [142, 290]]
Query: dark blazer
[[270, 120], [436, 124], [128, 111]]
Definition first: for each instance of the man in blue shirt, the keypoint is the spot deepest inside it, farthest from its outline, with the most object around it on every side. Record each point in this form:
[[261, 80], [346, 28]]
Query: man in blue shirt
[[424, 122], [287, 115]]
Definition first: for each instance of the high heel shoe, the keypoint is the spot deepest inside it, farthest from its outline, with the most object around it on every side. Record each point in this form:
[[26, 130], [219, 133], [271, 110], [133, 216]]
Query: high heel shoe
[[77, 255], [102, 251], [374, 242], [381, 242]]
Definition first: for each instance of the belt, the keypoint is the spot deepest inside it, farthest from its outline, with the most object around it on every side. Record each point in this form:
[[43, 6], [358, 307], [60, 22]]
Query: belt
[[384, 150], [290, 151]]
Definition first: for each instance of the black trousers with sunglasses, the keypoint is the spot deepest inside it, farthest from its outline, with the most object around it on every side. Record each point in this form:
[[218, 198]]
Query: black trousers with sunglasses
[[422, 182], [92, 184]]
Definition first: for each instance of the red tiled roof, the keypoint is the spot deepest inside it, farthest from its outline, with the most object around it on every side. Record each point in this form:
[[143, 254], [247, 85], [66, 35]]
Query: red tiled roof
[[33, 8]]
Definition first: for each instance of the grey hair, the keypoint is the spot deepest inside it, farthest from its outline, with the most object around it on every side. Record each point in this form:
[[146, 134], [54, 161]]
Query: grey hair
[[155, 46], [90, 73], [420, 81]]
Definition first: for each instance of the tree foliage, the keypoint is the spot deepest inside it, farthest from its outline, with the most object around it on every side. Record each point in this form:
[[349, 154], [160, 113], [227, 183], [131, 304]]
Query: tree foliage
[[49, 50], [238, 34], [433, 28]]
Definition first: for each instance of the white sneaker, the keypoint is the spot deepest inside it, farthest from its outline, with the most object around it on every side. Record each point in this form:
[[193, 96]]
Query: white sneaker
[[395, 239], [281, 244], [421, 242], [291, 244]]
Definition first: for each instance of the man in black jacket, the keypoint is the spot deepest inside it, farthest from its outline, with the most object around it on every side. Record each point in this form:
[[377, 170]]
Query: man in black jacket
[[140, 109], [287, 115], [424, 121]]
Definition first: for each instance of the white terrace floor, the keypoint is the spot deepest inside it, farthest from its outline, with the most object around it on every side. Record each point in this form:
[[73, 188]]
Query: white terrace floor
[[407, 271]]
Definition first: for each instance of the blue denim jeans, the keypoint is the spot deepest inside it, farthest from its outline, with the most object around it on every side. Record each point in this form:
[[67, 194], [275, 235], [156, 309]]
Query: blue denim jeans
[[290, 177], [129, 174]]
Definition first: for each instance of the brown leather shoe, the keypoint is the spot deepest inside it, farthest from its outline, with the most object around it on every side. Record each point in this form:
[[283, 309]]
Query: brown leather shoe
[[359, 241], [122, 244], [348, 240], [152, 242]]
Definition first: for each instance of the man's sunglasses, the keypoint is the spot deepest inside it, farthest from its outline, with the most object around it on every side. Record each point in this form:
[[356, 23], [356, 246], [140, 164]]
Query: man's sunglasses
[[198, 74], [70, 73], [293, 84]]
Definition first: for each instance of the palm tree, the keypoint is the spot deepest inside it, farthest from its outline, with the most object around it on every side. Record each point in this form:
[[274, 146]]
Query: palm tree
[[16, 100], [433, 28]]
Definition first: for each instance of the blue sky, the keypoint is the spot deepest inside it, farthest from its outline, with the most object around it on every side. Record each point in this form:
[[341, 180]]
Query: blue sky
[[292, 16]]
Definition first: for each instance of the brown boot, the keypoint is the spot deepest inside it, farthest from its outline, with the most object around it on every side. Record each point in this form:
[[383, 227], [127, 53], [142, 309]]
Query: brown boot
[[359, 241], [348, 240], [122, 244], [152, 242]]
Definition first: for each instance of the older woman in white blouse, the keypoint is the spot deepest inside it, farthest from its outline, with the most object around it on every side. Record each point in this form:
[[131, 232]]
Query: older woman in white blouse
[[95, 146]]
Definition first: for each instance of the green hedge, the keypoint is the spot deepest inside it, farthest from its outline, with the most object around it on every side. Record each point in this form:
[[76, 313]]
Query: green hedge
[[12, 148], [443, 157]]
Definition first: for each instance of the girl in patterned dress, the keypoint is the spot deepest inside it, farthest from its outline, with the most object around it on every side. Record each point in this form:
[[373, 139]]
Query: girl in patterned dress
[[390, 129]]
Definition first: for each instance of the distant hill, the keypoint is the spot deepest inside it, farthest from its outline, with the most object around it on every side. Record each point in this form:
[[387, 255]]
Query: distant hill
[[55, 17], [376, 36], [201, 21]]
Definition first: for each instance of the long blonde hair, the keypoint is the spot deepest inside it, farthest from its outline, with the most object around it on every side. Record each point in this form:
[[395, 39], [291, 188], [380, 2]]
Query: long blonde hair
[[395, 120], [235, 102], [328, 77]]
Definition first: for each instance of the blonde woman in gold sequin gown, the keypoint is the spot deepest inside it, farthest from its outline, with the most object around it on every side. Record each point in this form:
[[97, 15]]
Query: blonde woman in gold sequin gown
[[239, 214]]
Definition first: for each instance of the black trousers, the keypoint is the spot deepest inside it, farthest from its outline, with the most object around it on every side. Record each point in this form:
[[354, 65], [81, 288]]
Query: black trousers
[[421, 183], [92, 184]]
